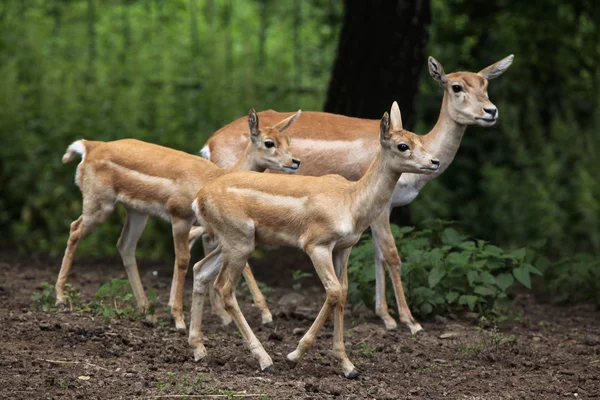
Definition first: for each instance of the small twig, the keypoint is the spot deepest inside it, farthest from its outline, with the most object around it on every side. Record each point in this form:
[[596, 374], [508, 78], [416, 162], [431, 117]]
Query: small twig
[[365, 339], [594, 362], [72, 362]]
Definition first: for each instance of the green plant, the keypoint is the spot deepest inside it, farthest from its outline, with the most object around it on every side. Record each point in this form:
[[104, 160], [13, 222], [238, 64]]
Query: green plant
[[45, 299], [367, 349], [444, 270], [574, 279], [297, 276], [115, 299]]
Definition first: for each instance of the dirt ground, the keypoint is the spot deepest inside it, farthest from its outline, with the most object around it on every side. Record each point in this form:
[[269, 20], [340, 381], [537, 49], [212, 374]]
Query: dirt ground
[[545, 352]]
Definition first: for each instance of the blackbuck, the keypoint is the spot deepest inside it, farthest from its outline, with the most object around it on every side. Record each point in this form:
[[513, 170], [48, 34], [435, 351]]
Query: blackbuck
[[153, 180], [334, 144], [323, 216]]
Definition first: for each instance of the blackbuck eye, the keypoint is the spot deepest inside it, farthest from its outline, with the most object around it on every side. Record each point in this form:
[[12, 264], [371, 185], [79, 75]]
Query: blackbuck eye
[[403, 147], [269, 144], [457, 88]]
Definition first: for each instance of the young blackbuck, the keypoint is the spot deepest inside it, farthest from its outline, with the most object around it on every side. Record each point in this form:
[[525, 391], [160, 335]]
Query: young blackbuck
[[334, 144], [153, 180], [324, 216]]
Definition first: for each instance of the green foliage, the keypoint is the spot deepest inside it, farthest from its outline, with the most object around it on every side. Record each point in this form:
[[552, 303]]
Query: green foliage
[[574, 279], [445, 270], [532, 176], [297, 276], [168, 72], [115, 299], [44, 300]]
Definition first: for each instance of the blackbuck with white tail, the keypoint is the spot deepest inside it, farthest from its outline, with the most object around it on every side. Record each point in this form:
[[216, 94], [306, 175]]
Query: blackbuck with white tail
[[334, 144], [153, 180], [323, 216]]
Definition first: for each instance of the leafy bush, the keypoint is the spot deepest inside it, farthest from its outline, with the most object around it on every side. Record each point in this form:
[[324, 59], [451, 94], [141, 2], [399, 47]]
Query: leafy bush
[[574, 279], [444, 270]]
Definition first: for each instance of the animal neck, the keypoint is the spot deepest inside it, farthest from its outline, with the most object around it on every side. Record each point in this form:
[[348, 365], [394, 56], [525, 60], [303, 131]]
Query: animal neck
[[247, 161], [443, 140], [371, 194]]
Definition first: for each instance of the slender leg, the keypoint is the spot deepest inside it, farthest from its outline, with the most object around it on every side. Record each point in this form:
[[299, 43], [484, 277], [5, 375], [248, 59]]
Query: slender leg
[[322, 260], [234, 262], [257, 296], [205, 273], [134, 226], [216, 305], [181, 230], [340, 262], [381, 307], [386, 245], [94, 213]]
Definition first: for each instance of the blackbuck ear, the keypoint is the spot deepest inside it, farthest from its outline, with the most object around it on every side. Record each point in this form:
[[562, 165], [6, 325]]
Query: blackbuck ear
[[384, 129], [253, 124], [396, 117], [497, 69], [286, 123], [437, 72]]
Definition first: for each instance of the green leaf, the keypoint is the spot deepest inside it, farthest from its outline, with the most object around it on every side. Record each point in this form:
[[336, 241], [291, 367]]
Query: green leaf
[[504, 281], [468, 300], [533, 269], [486, 277], [472, 276], [452, 237], [522, 275], [451, 297], [468, 245], [435, 276], [492, 251], [484, 291], [519, 254]]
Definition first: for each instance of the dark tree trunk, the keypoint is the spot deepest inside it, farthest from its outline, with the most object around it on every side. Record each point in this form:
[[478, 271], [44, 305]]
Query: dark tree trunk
[[380, 57]]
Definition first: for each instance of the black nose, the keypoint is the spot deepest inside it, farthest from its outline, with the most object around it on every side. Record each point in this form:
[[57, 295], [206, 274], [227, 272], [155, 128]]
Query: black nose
[[491, 111], [294, 161], [435, 162]]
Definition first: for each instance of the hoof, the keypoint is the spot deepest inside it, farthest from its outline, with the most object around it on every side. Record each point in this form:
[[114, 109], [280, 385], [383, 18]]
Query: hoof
[[61, 306], [390, 324], [352, 374], [199, 354], [180, 326], [269, 370], [415, 329], [291, 363], [268, 324], [151, 319]]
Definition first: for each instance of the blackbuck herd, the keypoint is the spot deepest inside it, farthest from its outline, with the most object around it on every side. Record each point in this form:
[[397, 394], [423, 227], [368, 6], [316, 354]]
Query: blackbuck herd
[[353, 172]]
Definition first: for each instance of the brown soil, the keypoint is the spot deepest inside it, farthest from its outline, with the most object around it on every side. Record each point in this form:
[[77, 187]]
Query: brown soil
[[551, 352]]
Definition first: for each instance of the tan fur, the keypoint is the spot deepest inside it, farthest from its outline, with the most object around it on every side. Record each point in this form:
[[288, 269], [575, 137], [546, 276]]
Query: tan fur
[[334, 144], [153, 180], [324, 216]]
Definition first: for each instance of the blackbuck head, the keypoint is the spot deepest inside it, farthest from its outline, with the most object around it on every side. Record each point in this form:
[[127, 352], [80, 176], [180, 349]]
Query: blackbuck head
[[466, 94], [271, 145], [405, 148]]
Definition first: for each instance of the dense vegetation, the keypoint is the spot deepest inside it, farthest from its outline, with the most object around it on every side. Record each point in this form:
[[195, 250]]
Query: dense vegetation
[[172, 72]]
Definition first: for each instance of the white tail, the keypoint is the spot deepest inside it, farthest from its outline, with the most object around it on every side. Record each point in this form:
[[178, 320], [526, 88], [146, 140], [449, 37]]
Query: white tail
[[77, 147], [205, 152]]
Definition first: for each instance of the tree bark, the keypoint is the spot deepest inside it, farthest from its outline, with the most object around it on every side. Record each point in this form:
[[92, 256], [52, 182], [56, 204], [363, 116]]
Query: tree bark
[[380, 57]]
